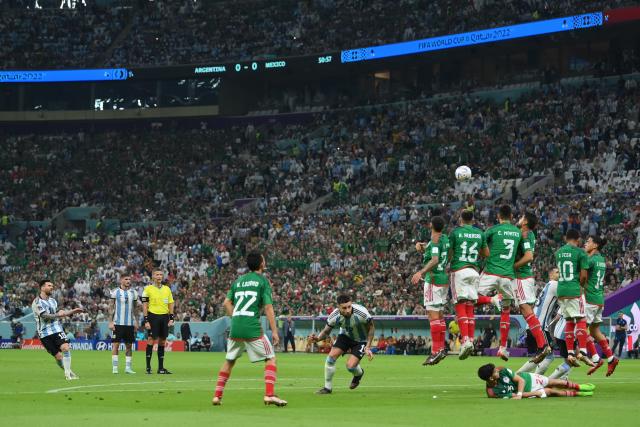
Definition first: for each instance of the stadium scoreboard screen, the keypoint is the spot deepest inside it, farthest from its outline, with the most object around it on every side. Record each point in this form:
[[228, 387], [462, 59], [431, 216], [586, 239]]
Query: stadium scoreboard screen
[[334, 60]]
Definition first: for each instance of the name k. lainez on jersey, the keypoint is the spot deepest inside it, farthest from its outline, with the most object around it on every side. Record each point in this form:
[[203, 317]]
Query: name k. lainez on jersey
[[46, 327], [354, 326], [249, 294]]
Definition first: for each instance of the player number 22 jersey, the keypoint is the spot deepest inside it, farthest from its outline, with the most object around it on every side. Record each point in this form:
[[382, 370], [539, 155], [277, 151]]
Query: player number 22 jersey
[[438, 276], [249, 294]]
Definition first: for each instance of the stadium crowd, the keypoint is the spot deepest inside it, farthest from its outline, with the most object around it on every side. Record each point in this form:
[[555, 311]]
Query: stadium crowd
[[386, 170], [187, 31]]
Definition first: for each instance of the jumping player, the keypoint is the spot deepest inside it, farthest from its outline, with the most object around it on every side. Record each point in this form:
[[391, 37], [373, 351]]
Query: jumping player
[[594, 296], [436, 285]]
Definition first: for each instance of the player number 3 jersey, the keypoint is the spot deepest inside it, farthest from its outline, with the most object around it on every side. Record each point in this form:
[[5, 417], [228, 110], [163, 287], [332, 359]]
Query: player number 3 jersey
[[249, 294], [504, 241]]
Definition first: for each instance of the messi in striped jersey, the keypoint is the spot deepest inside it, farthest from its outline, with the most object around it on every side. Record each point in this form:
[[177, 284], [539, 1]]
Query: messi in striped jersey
[[355, 336], [49, 328], [123, 322], [545, 310]]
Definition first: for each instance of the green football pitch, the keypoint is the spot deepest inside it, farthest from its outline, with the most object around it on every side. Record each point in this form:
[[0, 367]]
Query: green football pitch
[[396, 390]]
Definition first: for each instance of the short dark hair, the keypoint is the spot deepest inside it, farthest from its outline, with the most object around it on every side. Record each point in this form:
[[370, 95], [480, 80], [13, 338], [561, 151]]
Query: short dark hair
[[505, 212], [467, 215], [486, 371], [343, 298], [532, 220], [573, 234], [43, 282], [437, 223], [599, 240], [254, 260]]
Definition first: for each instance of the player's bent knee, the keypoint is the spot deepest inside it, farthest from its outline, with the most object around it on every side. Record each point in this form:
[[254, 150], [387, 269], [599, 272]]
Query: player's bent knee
[[330, 361]]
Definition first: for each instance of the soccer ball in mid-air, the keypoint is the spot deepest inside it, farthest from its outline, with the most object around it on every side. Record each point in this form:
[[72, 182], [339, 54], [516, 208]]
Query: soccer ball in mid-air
[[463, 173]]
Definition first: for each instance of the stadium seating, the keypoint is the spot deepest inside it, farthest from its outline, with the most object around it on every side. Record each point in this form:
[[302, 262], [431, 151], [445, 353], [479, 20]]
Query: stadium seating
[[186, 31], [381, 171]]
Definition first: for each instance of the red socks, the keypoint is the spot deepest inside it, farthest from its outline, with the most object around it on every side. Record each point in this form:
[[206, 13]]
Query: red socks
[[536, 330], [572, 386], [463, 321], [223, 377], [581, 334], [591, 346], [471, 320], [570, 393], [569, 336], [269, 380], [438, 330], [482, 300], [604, 344], [505, 318]]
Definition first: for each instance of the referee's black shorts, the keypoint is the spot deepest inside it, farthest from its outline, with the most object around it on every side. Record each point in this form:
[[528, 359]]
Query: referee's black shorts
[[159, 325]]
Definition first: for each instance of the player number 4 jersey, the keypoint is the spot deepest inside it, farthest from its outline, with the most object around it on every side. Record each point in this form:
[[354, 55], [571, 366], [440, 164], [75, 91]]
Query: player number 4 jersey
[[438, 276], [466, 242], [570, 260], [597, 268], [249, 294], [504, 242]]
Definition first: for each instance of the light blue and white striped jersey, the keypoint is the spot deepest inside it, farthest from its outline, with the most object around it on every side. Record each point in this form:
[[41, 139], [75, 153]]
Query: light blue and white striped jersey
[[547, 304], [46, 327], [125, 301], [354, 326], [558, 331]]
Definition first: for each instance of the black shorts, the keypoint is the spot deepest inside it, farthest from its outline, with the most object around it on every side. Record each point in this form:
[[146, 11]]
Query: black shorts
[[562, 346], [159, 325], [52, 343], [124, 334], [348, 345]]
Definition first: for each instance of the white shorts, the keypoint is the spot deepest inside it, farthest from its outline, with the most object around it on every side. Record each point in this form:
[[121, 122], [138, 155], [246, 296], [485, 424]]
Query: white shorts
[[593, 313], [435, 297], [502, 285], [464, 284], [571, 308], [525, 290], [538, 382], [258, 350]]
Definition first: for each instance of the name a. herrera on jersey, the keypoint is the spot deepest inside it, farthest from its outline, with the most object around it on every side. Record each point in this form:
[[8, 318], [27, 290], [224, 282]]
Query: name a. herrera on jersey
[[469, 236]]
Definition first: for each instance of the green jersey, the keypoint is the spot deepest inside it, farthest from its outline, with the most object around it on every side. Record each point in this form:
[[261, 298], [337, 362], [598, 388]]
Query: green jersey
[[597, 268], [249, 294], [438, 276], [570, 260], [504, 240], [466, 241], [506, 385], [528, 244]]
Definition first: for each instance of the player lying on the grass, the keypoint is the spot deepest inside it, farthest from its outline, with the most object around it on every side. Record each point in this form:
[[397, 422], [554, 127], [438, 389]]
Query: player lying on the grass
[[248, 296], [356, 333], [49, 328], [503, 383]]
